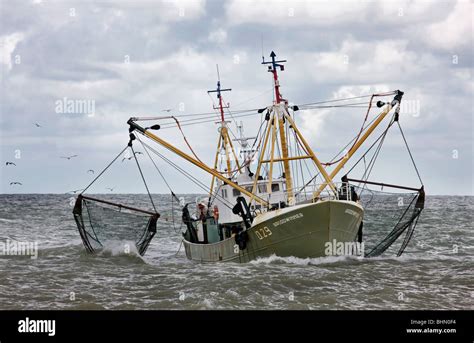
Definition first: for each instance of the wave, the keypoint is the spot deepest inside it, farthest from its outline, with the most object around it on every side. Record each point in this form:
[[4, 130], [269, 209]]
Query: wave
[[305, 261], [6, 220], [120, 249], [273, 259]]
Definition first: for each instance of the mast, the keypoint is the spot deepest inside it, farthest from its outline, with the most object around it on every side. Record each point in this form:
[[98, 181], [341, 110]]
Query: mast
[[280, 112], [278, 116], [224, 139]]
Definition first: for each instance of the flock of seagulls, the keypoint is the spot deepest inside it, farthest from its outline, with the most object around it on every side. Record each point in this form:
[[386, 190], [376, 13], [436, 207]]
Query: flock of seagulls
[[69, 157], [129, 158], [14, 183]]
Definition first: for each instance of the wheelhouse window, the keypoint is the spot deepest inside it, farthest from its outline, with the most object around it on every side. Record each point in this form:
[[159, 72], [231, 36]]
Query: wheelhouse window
[[235, 192], [275, 187], [224, 193]]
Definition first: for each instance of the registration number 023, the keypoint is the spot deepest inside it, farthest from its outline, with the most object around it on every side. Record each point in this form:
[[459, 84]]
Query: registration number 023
[[263, 233]]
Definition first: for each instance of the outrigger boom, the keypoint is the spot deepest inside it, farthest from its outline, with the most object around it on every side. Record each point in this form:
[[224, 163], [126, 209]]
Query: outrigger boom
[[199, 164]]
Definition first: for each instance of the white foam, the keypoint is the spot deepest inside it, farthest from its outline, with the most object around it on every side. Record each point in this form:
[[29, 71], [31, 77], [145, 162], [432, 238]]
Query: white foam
[[119, 248], [305, 261]]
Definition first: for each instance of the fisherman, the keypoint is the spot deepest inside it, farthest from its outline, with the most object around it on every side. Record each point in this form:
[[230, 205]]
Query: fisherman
[[201, 211], [354, 196]]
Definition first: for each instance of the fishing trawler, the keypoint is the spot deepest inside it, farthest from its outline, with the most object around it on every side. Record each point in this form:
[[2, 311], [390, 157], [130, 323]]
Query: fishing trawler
[[266, 199]]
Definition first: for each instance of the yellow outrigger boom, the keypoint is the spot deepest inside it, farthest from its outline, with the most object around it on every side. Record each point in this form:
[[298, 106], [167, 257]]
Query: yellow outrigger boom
[[197, 163], [394, 104]]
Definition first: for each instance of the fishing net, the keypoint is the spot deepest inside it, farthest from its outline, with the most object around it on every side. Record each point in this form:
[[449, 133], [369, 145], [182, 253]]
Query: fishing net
[[101, 221], [387, 217]]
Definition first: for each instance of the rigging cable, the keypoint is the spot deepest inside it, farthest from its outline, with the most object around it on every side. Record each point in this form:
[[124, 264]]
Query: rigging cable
[[173, 195], [141, 173], [409, 152], [188, 175], [103, 171]]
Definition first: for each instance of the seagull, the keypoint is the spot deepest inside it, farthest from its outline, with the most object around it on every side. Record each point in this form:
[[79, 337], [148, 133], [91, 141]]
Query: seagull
[[77, 190], [37, 125], [16, 183], [167, 110], [69, 157], [10, 163], [90, 170], [110, 189], [129, 158]]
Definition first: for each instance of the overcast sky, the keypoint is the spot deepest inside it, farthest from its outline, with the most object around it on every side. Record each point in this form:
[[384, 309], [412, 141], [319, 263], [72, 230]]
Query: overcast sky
[[138, 58]]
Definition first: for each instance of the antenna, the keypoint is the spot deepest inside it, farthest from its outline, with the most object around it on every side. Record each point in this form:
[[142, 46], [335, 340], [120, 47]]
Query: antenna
[[218, 90], [263, 58], [272, 68]]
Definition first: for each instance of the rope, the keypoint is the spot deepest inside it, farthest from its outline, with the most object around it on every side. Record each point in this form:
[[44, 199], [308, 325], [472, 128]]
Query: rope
[[358, 135], [156, 167], [335, 156], [194, 121], [143, 178], [103, 171], [179, 248], [371, 165], [350, 98], [186, 140], [375, 142], [173, 195], [409, 152], [189, 176]]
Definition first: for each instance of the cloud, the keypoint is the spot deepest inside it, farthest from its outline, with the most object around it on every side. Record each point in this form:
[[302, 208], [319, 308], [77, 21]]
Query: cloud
[[366, 62], [325, 13], [456, 31], [218, 36], [139, 58], [294, 12], [8, 44]]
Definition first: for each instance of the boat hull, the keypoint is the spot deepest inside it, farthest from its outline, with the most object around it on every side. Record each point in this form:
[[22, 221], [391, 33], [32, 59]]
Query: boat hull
[[301, 231]]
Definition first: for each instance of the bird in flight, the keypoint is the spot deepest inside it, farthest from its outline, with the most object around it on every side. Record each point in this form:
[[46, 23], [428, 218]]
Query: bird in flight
[[129, 158], [77, 190], [16, 183], [90, 171], [10, 163], [69, 157], [37, 125], [110, 189], [167, 110]]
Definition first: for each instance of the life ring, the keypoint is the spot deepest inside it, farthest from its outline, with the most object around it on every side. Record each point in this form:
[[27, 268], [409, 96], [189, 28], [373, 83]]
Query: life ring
[[216, 212]]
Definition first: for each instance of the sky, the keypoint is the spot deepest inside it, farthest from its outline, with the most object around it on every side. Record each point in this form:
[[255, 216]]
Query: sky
[[138, 58]]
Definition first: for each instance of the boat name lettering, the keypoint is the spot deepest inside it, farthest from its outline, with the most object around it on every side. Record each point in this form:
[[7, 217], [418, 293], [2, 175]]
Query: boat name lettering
[[288, 219], [352, 213]]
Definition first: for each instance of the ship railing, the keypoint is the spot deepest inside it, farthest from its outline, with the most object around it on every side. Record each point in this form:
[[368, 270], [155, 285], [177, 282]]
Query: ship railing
[[301, 195], [306, 194]]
